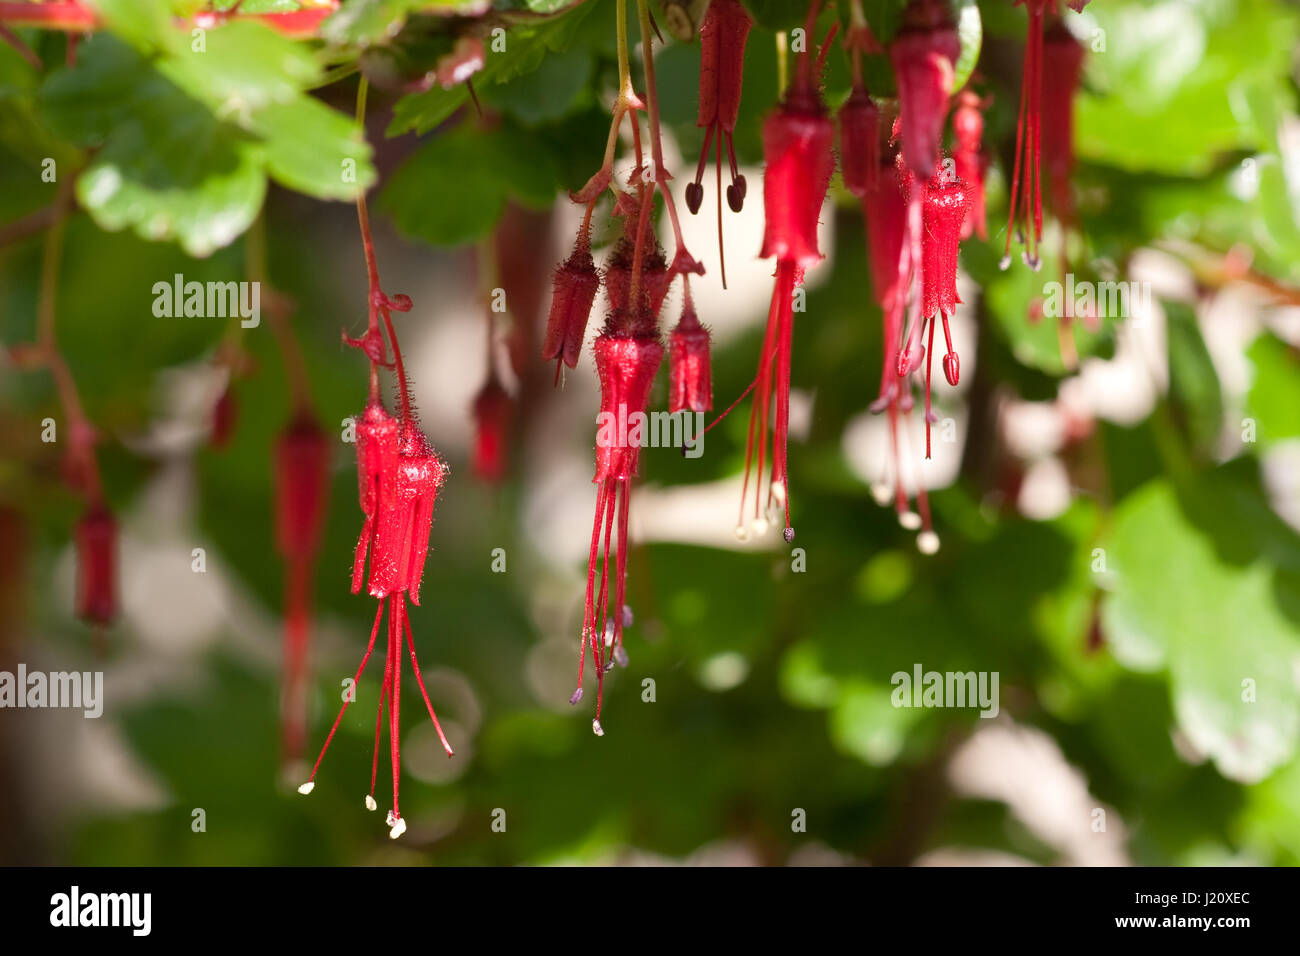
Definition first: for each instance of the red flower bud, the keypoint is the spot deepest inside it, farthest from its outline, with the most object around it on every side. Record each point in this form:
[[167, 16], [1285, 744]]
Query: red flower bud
[[859, 143], [301, 486], [952, 368], [96, 542], [690, 382], [492, 412], [924, 54], [797, 140], [576, 282], [224, 415]]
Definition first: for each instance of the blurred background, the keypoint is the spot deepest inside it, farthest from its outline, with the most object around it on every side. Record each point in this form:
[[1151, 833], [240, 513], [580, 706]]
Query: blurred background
[[1119, 533]]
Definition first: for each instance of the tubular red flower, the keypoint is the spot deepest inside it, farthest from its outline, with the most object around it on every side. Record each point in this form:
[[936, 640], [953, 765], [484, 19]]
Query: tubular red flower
[[492, 413], [722, 65], [886, 218], [1062, 80], [968, 157], [576, 283], [797, 140], [224, 414], [1060, 83], [301, 471], [96, 546], [859, 122], [690, 382], [943, 211], [797, 148], [402, 527], [924, 55], [399, 475], [376, 441], [301, 476], [626, 365]]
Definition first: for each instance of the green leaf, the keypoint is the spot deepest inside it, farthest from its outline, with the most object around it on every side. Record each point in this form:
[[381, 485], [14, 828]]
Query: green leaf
[[241, 68], [1017, 297], [970, 30], [166, 167], [364, 23], [526, 48], [453, 190], [1274, 400], [1195, 576], [185, 141], [1207, 76], [315, 150], [1192, 378], [145, 24]]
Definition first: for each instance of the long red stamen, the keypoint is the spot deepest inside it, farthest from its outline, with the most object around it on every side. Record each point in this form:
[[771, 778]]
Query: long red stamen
[[374, 631]]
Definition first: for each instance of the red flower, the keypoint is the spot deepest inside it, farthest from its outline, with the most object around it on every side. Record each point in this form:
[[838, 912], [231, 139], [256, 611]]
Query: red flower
[[301, 489], [859, 121], [690, 383], [970, 162], [492, 413], [576, 283], [722, 65], [944, 210], [96, 543], [301, 471], [224, 414], [1060, 84], [1026, 203], [885, 211], [626, 364], [924, 55], [398, 475], [797, 141]]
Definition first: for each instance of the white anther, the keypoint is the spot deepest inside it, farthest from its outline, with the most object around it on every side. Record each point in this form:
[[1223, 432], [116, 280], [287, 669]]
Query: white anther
[[927, 542], [307, 787]]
